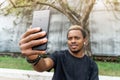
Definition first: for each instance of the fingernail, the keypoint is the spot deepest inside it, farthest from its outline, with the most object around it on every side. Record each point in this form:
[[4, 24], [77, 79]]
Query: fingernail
[[45, 39], [43, 32], [38, 28]]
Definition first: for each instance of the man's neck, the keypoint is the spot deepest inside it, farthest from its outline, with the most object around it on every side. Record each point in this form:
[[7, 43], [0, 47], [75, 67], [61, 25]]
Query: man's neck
[[78, 55]]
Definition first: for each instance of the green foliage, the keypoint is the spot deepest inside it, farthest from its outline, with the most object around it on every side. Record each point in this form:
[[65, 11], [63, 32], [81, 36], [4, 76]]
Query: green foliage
[[19, 7], [118, 59]]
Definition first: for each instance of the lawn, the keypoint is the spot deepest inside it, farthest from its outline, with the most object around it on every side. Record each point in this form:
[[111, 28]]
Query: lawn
[[14, 63], [105, 68], [109, 68]]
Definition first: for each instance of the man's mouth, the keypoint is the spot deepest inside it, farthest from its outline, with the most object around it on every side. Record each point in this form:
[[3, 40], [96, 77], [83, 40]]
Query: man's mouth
[[73, 46]]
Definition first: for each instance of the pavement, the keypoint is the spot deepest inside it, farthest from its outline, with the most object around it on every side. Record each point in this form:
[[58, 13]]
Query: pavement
[[4, 78], [109, 78], [15, 74]]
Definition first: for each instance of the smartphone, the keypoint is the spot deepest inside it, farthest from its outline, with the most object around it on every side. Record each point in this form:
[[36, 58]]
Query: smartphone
[[41, 19]]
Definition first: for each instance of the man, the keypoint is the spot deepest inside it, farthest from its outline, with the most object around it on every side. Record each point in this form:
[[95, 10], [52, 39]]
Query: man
[[70, 64]]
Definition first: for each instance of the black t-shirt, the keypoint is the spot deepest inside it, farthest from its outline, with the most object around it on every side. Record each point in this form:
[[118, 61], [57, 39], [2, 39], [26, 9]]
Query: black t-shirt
[[68, 67]]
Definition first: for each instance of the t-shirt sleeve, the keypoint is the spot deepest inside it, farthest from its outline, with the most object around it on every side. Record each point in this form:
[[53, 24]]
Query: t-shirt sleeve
[[54, 57], [94, 72]]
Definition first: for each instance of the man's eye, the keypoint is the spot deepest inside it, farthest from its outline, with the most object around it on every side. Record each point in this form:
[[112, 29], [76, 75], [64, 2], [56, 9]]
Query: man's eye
[[69, 38], [77, 38]]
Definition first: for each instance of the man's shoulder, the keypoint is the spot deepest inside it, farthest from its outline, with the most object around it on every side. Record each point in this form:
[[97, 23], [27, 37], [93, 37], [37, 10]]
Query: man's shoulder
[[59, 53], [90, 59]]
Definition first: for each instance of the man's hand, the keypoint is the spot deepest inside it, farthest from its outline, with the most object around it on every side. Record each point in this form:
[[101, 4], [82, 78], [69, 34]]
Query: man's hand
[[30, 39]]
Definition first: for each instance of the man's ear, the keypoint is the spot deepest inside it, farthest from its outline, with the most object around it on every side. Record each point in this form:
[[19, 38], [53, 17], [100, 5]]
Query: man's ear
[[86, 41]]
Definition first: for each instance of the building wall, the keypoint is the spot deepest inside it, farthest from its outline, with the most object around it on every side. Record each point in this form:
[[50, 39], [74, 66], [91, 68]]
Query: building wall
[[10, 34], [104, 28]]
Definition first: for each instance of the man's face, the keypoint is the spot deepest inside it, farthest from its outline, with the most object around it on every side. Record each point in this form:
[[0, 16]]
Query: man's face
[[75, 41]]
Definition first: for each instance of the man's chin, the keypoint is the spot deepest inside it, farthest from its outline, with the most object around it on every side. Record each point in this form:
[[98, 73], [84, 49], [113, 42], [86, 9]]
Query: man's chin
[[75, 51]]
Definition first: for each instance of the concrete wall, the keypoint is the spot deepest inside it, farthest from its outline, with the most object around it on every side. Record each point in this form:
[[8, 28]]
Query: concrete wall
[[10, 33], [104, 28]]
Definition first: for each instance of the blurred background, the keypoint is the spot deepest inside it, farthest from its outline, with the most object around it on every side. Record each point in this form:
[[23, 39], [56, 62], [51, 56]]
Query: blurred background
[[100, 18]]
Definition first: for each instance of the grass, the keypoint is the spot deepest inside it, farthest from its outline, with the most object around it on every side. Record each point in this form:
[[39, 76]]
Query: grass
[[109, 68], [105, 68], [14, 63]]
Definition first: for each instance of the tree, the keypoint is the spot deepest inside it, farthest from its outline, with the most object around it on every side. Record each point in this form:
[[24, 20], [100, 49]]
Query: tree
[[77, 13], [114, 6]]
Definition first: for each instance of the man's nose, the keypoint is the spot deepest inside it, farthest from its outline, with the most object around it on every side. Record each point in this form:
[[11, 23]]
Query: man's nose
[[73, 40]]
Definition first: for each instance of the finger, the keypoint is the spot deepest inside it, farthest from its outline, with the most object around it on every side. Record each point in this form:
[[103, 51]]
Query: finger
[[31, 31], [32, 37], [33, 43], [32, 52]]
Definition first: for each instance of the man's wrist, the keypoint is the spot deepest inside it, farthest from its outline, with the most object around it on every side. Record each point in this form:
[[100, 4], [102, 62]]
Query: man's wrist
[[34, 61]]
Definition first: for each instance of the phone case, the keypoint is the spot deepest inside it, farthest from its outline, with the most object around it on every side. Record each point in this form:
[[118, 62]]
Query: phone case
[[41, 19]]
